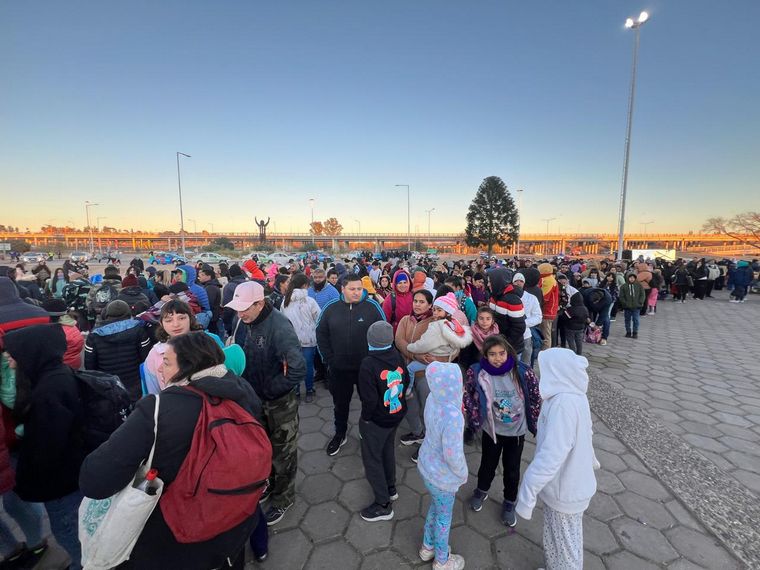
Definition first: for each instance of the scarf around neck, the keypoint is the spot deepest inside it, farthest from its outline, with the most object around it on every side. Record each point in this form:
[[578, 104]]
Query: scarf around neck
[[478, 335], [497, 370]]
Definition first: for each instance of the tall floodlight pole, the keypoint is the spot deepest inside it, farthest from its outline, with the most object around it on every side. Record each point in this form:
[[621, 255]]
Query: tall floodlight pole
[[87, 206], [311, 227], [548, 221], [408, 216], [519, 219], [181, 215], [430, 235], [636, 27]]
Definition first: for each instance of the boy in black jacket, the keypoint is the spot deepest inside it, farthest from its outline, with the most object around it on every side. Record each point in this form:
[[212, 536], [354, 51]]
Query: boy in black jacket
[[382, 382], [574, 319]]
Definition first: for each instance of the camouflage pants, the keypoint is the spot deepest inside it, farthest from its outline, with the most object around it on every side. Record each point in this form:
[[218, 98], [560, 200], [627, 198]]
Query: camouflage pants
[[281, 423]]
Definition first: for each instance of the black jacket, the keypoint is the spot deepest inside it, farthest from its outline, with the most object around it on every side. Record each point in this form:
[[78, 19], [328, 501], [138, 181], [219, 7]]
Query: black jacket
[[383, 379], [134, 297], [214, 291], [342, 332], [574, 317], [506, 303], [52, 448], [274, 361], [532, 277], [111, 467], [119, 348], [228, 315], [597, 299]]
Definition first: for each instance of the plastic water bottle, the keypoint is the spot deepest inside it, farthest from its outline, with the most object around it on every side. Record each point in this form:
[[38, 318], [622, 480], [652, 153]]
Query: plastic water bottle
[[149, 485]]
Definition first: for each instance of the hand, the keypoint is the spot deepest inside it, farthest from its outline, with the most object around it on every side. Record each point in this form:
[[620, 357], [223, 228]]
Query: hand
[[427, 358]]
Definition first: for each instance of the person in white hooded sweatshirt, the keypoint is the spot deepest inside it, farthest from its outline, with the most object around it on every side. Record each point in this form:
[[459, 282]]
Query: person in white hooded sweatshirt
[[562, 470]]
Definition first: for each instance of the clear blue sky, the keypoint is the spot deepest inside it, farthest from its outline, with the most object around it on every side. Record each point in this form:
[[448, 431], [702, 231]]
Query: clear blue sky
[[279, 102]]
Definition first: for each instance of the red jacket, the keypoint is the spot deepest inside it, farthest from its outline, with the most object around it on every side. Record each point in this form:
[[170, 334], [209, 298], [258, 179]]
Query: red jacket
[[551, 303], [74, 346]]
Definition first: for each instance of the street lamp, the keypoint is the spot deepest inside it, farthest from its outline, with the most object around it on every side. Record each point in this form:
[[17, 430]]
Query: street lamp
[[646, 225], [636, 26], [519, 218], [358, 224], [195, 225], [430, 211], [311, 227], [408, 216], [87, 206], [212, 227], [181, 216], [97, 224], [548, 221]]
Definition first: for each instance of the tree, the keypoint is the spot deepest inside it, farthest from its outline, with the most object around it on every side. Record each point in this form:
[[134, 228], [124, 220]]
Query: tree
[[220, 243], [744, 227], [492, 218], [20, 245], [332, 227], [317, 229]]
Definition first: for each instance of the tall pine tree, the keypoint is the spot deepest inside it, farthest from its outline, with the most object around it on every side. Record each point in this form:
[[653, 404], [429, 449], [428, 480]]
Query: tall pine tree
[[492, 218]]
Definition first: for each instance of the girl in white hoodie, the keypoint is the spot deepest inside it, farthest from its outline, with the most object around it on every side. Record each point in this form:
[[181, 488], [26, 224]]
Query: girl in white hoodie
[[562, 470], [303, 311]]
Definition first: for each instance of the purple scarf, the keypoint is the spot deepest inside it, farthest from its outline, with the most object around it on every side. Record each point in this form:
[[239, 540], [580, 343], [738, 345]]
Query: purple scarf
[[497, 371]]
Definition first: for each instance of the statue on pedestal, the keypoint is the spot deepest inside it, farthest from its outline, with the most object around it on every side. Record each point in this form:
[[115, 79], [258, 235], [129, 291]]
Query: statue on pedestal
[[262, 229]]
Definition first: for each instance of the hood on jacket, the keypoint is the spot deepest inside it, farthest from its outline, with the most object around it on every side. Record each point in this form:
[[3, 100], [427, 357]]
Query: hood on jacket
[[188, 273], [456, 335], [8, 292], [499, 278], [532, 276], [340, 269], [299, 296], [562, 371], [395, 281], [36, 348], [445, 381], [576, 300], [117, 327]]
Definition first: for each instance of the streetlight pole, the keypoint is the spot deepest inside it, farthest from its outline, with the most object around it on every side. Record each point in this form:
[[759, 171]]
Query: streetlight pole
[[646, 225], [548, 221], [430, 211], [212, 227], [636, 26], [519, 219], [87, 205], [195, 225], [359, 224], [311, 227], [181, 215], [97, 224], [408, 216]]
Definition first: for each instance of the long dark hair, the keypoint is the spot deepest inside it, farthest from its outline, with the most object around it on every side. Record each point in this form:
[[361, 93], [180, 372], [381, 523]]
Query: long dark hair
[[501, 340], [297, 281], [177, 307], [195, 351]]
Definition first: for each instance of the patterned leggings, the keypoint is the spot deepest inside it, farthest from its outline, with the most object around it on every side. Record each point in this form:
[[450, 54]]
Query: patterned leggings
[[438, 522], [563, 540]]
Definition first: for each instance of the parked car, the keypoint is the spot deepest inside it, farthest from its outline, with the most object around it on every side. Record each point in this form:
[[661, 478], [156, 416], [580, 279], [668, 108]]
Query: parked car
[[166, 258], [79, 257], [211, 258], [281, 258], [33, 257]]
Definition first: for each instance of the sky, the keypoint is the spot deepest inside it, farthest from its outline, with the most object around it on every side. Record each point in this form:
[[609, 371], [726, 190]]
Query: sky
[[280, 102]]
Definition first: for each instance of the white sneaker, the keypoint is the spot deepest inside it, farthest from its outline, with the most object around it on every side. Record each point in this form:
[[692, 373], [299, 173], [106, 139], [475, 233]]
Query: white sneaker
[[455, 562]]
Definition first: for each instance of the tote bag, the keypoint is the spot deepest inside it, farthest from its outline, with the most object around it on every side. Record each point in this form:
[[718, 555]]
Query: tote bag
[[109, 528]]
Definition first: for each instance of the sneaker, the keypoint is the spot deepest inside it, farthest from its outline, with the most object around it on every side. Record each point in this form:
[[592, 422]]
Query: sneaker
[[335, 444], [260, 557], [412, 438], [427, 554], [416, 455], [309, 396], [508, 516], [477, 499], [392, 493], [455, 562], [635, 335], [376, 512], [613, 319], [627, 335], [603, 341], [275, 514]]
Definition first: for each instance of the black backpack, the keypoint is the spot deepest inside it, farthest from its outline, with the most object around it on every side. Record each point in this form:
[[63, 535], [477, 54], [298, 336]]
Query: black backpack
[[104, 295], [106, 405]]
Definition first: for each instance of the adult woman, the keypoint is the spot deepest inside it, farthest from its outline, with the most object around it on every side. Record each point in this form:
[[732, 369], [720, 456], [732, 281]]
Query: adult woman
[[54, 286], [176, 318], [410, 329], [384, 285], [302, 311], [190, 359]]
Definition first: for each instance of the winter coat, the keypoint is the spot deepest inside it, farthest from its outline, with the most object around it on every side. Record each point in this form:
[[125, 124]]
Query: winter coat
[[562, 470], [303, 313], [550, 289], [443, 338], [382, 384], [119, 348], [93, 307], [112, 466], [533, 313], [441, 458], [7, 475], [467, 306], [274, 361], [228, 292], [597, 299], [15, 313], [152, 381], [214, 292], [532, 278], [508, 308], [574, 317], [135, 298], [401, 301], [409, 330], [52, 448], [189, 275], [324, 295], [74, 342], [342, 332], [632, 296]]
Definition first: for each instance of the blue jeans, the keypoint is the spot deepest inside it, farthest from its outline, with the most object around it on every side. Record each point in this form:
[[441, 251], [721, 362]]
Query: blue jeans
[[64, 522], [631, 314], [308, 355], [438, 522], [603, 320], [28, 516], [260, 538]]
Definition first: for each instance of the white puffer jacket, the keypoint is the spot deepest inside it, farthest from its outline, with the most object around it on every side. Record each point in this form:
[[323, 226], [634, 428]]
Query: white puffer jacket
[[442, 338], [303, 312]]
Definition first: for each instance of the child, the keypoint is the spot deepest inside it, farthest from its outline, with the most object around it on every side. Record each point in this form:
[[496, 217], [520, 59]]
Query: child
[[445, 336], [508, 404], [631, 299], [483, 327], [562, 470], [382, 381], [573, 320], [441, 461]]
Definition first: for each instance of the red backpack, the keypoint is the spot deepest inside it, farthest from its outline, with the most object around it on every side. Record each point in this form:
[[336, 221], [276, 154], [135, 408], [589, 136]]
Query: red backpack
[[223, 476]]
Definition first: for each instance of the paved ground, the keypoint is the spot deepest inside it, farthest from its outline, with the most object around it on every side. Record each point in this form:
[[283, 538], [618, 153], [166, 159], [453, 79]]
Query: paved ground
[[634, 521]]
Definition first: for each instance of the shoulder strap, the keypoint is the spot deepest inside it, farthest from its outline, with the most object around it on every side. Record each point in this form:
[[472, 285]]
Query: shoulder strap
[[393, 307], [155, 431]]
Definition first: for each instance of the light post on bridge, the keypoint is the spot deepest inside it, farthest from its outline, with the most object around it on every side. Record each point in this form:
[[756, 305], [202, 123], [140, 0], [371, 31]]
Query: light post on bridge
[[408, 216], [181, 215]]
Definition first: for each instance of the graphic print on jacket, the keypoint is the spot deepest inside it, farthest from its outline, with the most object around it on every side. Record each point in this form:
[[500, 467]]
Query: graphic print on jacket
[[394, 393]]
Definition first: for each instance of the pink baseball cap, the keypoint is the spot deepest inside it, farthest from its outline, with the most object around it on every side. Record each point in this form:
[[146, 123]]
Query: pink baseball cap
[[246, 294]]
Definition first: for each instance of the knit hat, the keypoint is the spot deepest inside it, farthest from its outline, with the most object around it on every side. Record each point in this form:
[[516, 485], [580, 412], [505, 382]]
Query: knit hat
[[561, 276], [150, 270], [448, 303], [250, 266], [380, 335], [400, 276], [116, 311], [54, 307], [518, 277], [129, 281], [418, 281], [235, 270], [545, 269]]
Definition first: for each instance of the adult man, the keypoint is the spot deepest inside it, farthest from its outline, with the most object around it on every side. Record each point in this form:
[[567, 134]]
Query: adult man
[[322, 292], [342, 342], [274, 366]]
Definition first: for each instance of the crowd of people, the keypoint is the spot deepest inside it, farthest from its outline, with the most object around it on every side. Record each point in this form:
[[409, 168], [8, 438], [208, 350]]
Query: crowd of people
[[480, 349]]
